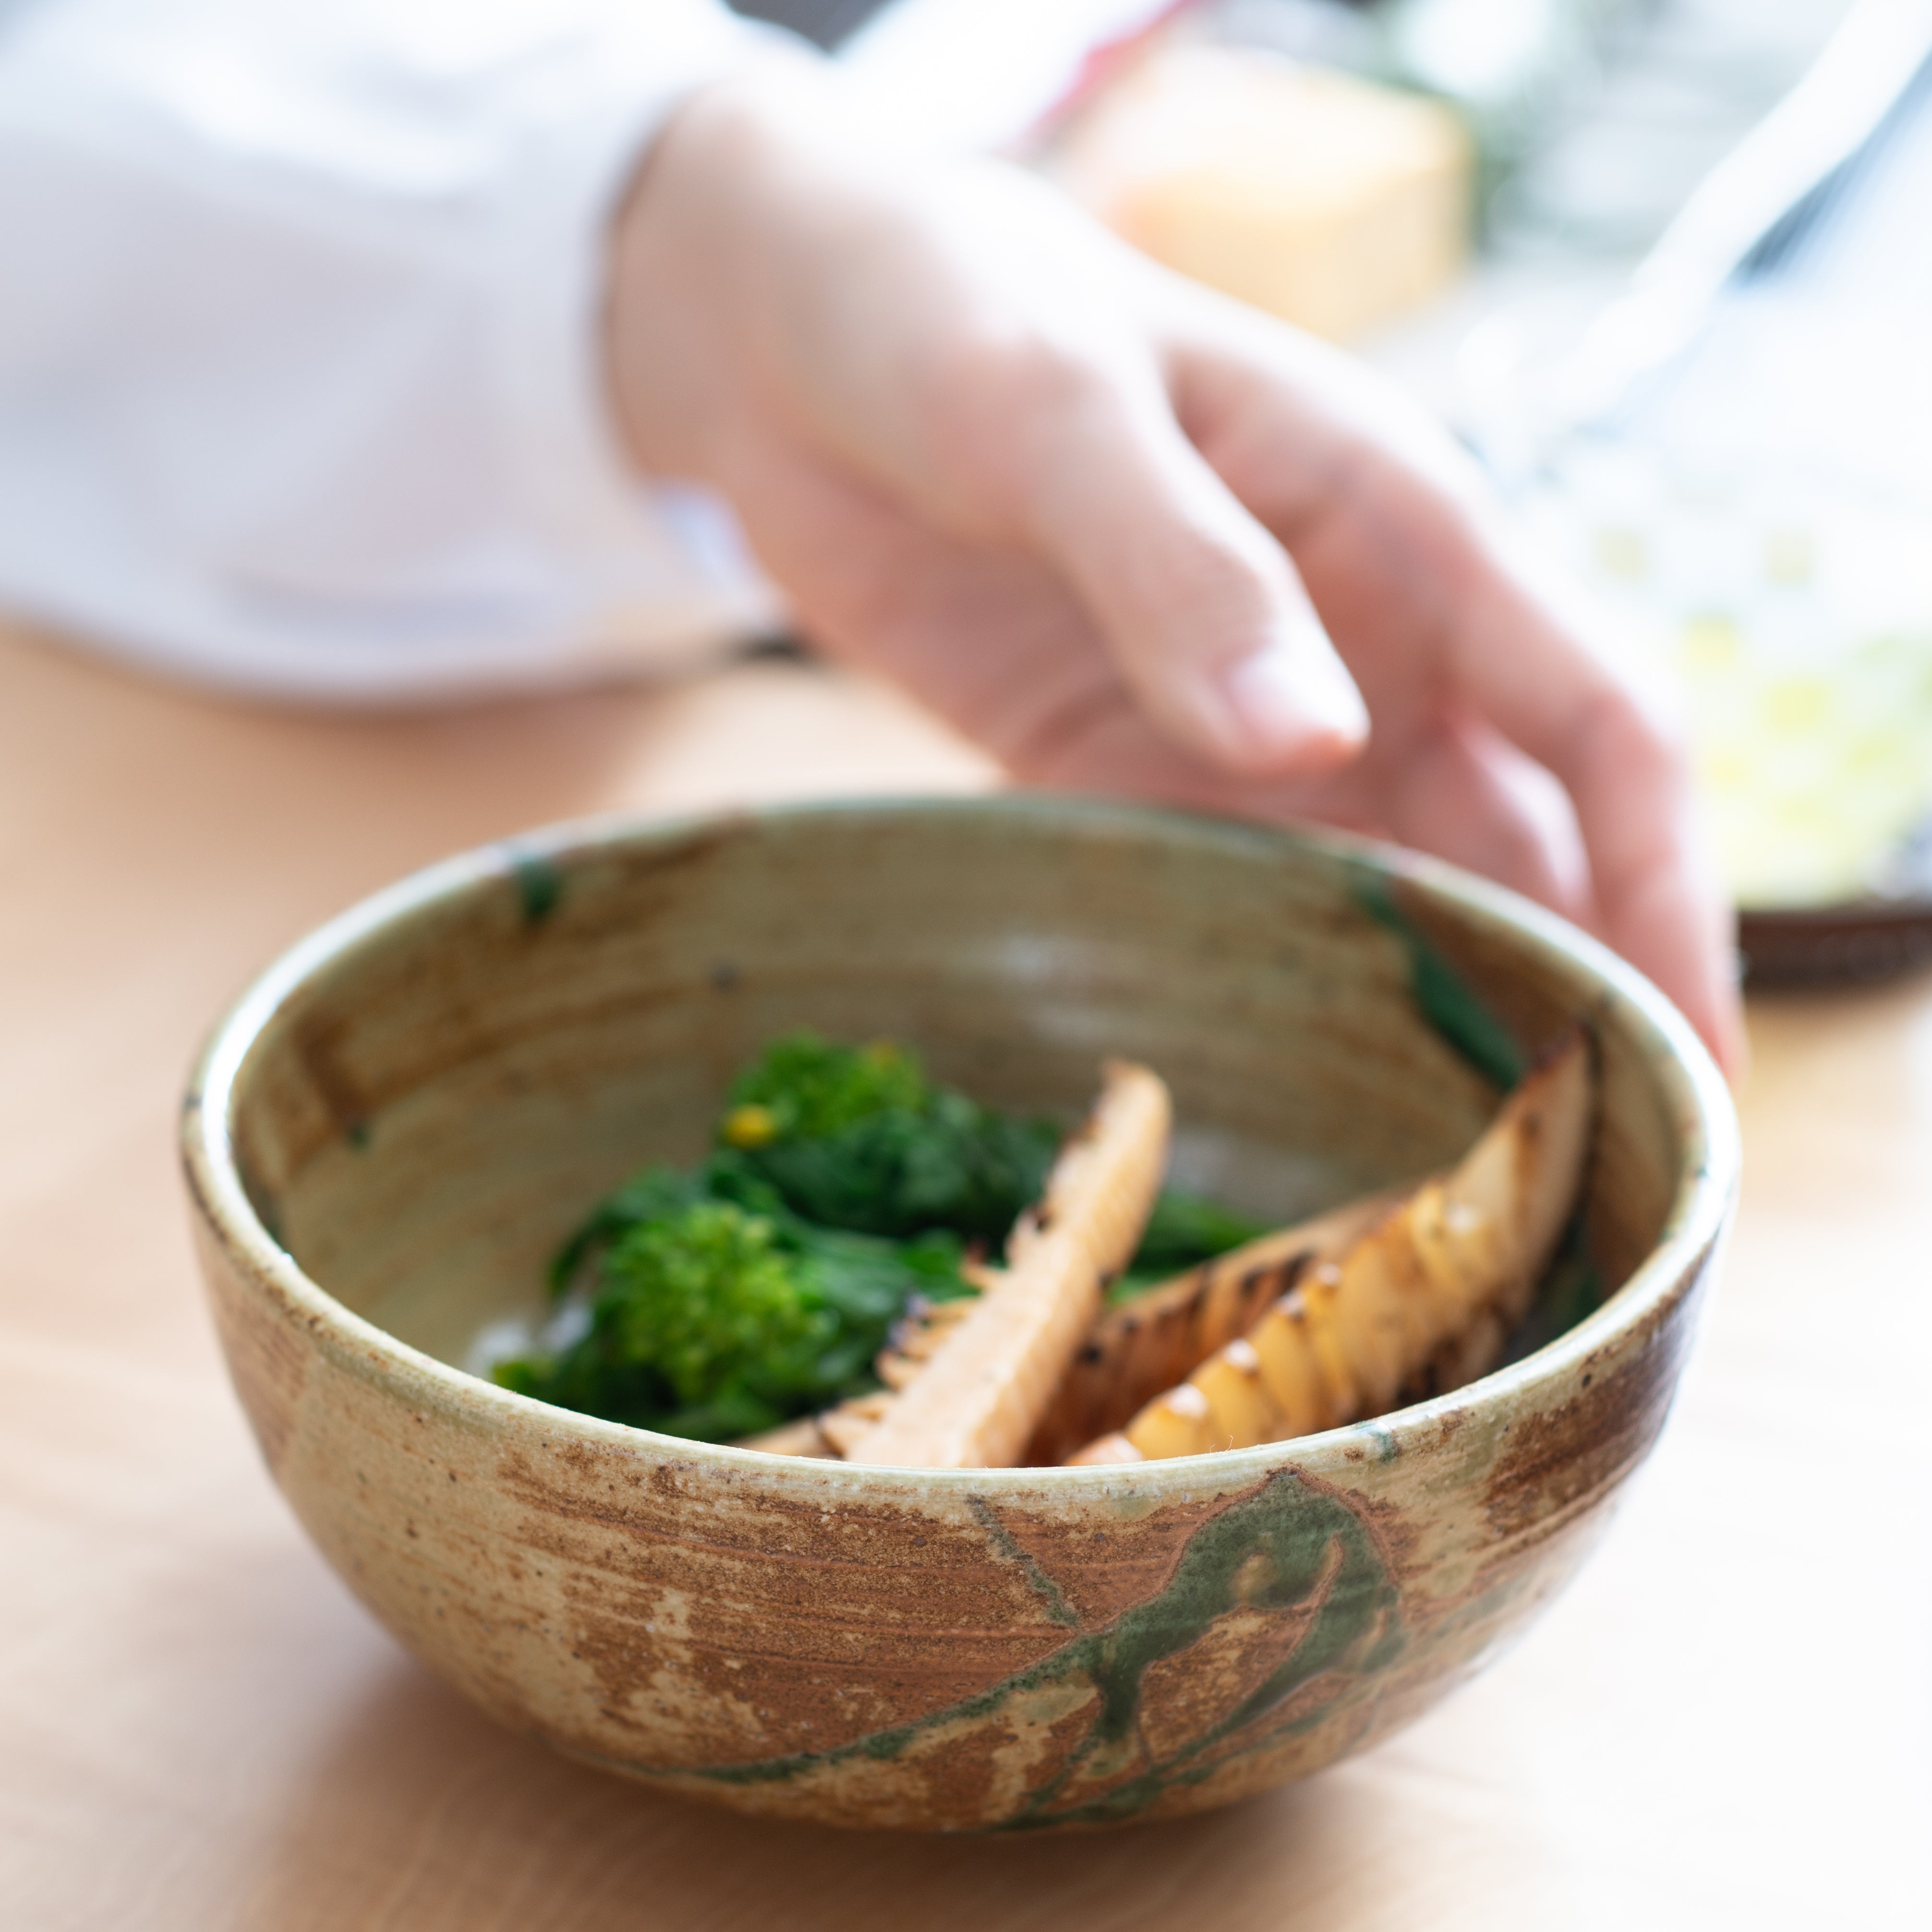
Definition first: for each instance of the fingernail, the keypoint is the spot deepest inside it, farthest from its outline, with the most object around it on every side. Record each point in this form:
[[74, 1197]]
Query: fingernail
[[1291, 699]]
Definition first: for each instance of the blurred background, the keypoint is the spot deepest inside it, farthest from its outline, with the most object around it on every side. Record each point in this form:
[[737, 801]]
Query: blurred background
[[1665, 266]]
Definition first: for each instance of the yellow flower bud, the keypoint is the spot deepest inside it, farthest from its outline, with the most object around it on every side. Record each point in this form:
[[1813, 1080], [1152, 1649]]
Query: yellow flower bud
[[750, 1126]]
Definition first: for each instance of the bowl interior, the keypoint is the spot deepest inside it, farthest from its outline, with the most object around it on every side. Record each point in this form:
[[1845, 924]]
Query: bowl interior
[[448, 1077]]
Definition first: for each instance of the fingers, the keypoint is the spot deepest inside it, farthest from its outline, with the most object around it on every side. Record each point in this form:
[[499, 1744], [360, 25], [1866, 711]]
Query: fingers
[[1631, 786], [1465, 795], [1432, 607], [1206, 617], [1516, 657], [1462, 795]]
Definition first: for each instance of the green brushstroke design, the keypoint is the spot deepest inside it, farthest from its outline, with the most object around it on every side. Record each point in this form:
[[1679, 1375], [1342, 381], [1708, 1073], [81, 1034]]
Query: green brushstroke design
[[1446, 999], [1279, 1548], [1038, 1581], [539, 886]]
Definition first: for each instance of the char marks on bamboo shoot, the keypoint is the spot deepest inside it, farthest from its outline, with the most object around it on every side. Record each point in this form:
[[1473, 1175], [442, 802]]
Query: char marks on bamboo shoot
[[1431, 1291], [983, 1385], [1149, 1344]]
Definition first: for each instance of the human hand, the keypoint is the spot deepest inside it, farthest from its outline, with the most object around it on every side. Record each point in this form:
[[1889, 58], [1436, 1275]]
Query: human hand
[[1108, 523]]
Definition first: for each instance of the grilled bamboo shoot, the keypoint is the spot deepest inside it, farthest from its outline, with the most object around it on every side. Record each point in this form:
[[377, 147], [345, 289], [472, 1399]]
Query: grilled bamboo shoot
[[1433, 1289], [981, 1392]]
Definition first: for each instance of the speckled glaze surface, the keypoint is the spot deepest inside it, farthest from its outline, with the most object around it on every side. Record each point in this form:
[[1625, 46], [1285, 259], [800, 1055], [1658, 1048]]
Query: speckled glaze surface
[[393, 1129]]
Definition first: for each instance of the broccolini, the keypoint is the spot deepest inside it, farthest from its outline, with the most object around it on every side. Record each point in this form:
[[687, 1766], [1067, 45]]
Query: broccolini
[[708, 1319], [859, 1138], [761, 1285]]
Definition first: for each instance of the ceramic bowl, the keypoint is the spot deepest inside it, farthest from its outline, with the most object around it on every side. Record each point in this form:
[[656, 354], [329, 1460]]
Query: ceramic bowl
[[394, 1129]]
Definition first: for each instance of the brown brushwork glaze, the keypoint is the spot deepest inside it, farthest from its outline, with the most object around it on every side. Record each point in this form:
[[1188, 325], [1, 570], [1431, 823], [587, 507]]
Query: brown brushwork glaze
[[395, 1127]]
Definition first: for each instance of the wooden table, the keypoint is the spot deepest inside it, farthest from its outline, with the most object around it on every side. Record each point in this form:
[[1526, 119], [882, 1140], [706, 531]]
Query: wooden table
[[1725, 1723]]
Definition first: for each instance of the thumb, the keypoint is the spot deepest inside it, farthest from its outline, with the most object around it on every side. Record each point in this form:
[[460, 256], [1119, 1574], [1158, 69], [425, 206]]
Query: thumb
[[1208, 621]]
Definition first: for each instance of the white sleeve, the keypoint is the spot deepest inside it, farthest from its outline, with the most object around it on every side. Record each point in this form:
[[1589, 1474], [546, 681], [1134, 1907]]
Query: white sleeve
[[301, 388]]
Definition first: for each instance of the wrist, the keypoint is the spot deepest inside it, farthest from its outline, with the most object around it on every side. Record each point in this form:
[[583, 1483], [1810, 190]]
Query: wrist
[[696, 237]]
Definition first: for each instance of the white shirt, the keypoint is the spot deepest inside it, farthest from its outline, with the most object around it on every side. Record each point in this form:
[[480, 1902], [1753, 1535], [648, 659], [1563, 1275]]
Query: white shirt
[[300, 383], [301, 380]]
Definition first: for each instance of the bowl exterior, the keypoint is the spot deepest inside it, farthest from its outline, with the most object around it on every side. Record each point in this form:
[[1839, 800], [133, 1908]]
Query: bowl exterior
[[956, 1650]]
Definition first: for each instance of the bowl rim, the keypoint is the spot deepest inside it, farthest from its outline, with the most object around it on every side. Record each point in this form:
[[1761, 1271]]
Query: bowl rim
[[1694, 1089]]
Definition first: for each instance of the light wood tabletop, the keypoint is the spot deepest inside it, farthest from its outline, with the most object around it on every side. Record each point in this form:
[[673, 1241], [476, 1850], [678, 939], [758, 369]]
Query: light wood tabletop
[[1726, 1722]]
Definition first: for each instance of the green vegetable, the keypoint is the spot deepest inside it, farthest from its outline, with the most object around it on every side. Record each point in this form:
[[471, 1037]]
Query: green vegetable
[[1444, 998], [1183, 1231], [811, 1087], [654, 1195], [858, 1138], [761, 1285], [1187, 1228], [1572, 1289], [709, 1320]]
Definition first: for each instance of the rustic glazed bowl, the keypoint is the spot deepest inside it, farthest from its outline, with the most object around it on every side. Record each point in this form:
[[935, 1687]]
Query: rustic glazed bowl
[[391, 1131]]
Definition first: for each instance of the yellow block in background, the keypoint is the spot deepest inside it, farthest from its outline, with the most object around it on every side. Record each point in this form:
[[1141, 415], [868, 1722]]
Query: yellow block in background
[[1335, 203]]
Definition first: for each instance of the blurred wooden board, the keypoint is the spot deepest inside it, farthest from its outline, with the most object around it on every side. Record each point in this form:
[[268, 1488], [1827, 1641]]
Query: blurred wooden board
[[1728, 1721]]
